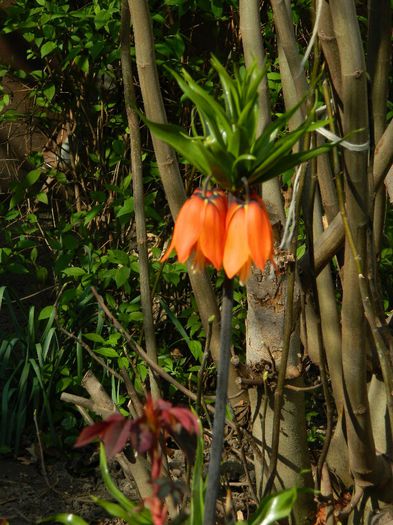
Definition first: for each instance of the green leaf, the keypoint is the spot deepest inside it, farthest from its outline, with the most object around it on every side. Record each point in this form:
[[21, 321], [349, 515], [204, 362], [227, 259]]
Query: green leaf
[[74, 271], [118, 257], [71, 519], [125, 503], [70, 241], [112, 508], [96, 338], [198, 485], [50, 91], [47, 48], [175, 321], [122, 275], [206, 105], [274, 508], [82, 62], [127, 208], [32, 177], [196, 349], [92, 213], [106, 352], [135, 316], [46, 312], [176, 137], [42, 197]]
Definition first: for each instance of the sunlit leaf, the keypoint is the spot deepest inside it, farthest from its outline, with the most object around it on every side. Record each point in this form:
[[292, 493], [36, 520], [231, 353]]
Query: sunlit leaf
[[72, 519], [274, 508]]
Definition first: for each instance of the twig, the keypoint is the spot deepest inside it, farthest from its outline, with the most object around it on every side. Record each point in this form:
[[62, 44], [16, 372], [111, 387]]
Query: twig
[[247, 381], [42, 459], [243, 458], [84, 404], [137, 407], [201, 370], [90, 352], [137, 182], [213, 479], [85, 414], [139, 350], [356, 497]]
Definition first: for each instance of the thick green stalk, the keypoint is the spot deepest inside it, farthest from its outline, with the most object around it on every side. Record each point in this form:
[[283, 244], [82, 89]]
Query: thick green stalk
[[213, 475], [250, 30], [137, 181], [326, 184], [287, 41], [312, 299], [332, 239], [331, 330], [328, 42], [378, 66], [362, 456]]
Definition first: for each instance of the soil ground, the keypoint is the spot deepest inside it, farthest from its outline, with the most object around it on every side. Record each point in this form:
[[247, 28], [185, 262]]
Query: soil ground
[[27, 496]]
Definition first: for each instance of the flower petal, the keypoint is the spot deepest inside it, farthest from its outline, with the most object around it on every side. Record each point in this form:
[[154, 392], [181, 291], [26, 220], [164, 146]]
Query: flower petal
[[259, 233], [213, 233], [244, 272], [187, 228], [236, 253]]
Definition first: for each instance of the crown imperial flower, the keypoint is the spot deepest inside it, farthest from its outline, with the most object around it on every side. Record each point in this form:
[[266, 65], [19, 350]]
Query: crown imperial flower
[[249, 238], [211, 233], [200, 229]]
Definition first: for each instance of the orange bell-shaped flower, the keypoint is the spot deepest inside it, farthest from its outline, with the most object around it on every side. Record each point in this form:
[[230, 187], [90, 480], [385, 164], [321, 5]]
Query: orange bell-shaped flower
[[200, 229], [249, 238]]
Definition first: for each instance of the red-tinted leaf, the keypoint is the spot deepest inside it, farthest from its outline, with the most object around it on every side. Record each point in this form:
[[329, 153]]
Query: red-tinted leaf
[[186, 419], [158, 510], [114, 432], [116, 436], [90, 433], [142, 438]]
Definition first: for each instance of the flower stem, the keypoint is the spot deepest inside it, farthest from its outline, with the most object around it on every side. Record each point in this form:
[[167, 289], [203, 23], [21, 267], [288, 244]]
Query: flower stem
[[213, 475]]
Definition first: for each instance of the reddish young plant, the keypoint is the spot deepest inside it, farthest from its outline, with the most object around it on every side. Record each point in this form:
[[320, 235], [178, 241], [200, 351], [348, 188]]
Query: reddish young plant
[[144, 434]]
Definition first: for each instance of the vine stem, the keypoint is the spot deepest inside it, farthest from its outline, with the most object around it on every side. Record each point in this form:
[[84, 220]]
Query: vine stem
[[213, 475]]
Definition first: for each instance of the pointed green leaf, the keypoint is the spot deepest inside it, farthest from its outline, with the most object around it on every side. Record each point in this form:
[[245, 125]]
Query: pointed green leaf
[[71, 519], [47, 48], [288, 162], [122, 275], [126, 504], [275, 507], [198, 485], [204, 102], [230, 93]]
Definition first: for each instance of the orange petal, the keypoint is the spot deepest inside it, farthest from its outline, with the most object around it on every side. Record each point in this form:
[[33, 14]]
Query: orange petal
[[188, 227], [169, 251], [259, 233], [245, 271], [199, 259], [236, 253], [213, 233]]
